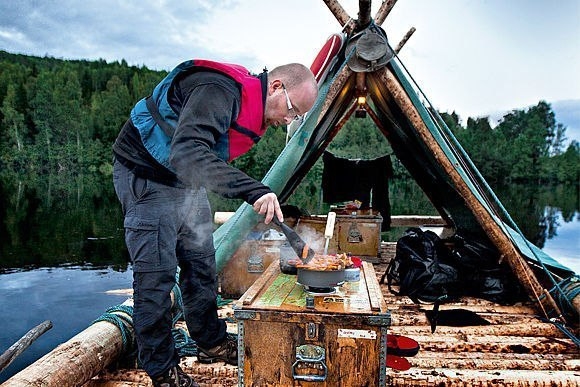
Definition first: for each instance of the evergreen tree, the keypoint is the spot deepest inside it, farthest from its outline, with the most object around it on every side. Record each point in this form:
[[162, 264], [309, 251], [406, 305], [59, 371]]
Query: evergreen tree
[[66, 114], [528, 137], [110, 109], [13, 121]]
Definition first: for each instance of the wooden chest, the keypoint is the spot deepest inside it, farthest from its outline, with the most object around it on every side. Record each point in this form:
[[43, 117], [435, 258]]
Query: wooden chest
[[358, 234], [247, 265], [289, 337]]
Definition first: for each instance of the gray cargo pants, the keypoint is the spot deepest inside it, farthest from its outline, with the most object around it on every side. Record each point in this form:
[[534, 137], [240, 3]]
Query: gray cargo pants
[[165, 227]]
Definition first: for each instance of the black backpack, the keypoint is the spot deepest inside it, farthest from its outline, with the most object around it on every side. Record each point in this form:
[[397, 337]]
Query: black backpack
[[420, 268], [481, 273]]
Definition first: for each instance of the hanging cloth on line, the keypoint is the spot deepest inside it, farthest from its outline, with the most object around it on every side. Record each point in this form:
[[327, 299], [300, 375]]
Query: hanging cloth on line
[[356, 179]]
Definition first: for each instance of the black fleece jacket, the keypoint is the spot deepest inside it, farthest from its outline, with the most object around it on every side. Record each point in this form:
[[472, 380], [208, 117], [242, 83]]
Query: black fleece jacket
[[206, 103]]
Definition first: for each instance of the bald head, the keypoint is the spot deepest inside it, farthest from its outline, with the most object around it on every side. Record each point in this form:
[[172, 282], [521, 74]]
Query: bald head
[[292, 91], [294, 74]]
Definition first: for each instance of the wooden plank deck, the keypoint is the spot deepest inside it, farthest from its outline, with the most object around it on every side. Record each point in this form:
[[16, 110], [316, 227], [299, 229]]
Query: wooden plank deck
[[516, 348]]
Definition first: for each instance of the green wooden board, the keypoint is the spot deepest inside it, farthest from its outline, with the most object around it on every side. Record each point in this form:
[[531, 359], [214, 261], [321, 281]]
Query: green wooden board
[[277, 291]]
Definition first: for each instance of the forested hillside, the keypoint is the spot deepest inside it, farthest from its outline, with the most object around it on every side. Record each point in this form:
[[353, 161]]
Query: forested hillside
[[61, 116]]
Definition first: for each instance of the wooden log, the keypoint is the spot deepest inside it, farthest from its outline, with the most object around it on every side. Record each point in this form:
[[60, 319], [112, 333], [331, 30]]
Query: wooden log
[[76, 361], [495, 344], [496, 363], [481, 378], [405, 318], [114, 383], [220, 217], [341, 15], [121, 292], [522, 329], [335, 89], [570, 359], [384, 10], [416, 220], [23, 343], [388, 251], [218, 374], [364, 13], [470, 304], [405, 38]]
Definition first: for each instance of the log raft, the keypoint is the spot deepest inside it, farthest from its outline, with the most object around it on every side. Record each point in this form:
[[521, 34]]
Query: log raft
[[515, 348]]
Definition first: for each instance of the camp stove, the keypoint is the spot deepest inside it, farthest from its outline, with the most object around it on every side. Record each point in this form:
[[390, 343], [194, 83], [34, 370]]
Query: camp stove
[[320, 291]]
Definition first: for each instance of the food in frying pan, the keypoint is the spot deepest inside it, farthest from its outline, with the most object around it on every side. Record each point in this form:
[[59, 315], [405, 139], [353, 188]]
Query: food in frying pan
[[322, 262]]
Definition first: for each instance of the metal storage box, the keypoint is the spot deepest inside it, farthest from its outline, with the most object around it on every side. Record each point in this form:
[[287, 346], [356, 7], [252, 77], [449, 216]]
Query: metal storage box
[[358, 233], [247, 265], [290, 337]]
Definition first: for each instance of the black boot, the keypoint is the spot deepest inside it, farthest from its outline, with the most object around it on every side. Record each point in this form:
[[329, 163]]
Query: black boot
[[175, 377], [227, 351]]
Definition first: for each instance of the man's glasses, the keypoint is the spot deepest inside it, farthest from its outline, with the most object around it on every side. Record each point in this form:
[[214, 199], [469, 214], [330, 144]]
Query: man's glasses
[[291, 109]]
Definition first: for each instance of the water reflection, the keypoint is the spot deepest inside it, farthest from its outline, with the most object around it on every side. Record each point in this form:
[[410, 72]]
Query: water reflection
[[539, 210], [563, 241], [64, 219], [52, 221]]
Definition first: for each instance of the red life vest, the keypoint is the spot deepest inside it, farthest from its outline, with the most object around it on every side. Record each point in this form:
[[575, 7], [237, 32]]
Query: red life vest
[[156, 120], [249, 127]]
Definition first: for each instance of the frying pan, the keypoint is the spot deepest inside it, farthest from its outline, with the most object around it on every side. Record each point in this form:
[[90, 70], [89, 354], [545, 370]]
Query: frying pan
[[320, 278]]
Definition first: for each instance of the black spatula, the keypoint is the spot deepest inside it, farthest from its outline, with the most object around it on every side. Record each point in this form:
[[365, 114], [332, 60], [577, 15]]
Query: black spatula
[[295, 241]]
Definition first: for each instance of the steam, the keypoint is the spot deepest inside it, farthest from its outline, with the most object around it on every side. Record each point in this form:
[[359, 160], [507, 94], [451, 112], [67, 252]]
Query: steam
[[313, 238]]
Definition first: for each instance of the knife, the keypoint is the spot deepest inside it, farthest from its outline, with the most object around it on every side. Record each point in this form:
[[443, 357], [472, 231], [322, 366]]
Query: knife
[[302, 250]]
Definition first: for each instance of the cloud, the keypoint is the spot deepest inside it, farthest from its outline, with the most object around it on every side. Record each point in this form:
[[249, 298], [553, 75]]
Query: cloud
[[567, 113], [147, 32], [468, 56]]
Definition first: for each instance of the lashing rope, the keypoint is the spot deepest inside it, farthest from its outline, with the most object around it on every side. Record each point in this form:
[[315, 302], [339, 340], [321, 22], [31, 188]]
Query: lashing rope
[[184, 344], [123, 321], [122, 317]]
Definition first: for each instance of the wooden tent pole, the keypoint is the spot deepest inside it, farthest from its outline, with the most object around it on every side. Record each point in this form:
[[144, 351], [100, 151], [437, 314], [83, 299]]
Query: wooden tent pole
[[364, 13], [501, 240], [384, 10], [335, 89], [404, 40], [341, 15]]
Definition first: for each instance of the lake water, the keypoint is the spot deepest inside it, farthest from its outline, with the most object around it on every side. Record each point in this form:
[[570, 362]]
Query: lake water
[[62, 250], [566, 244], [71, 298]]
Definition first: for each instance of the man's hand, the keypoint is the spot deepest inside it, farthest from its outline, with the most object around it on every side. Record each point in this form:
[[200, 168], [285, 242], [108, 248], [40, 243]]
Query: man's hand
[[268, 205]]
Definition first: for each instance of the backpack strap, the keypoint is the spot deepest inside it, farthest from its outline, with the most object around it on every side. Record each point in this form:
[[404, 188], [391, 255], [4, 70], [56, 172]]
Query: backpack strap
[[154, 110], [389, 274], [433, 316]]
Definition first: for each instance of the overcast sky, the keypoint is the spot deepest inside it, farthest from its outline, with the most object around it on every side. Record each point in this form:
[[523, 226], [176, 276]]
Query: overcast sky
[[474, 57]]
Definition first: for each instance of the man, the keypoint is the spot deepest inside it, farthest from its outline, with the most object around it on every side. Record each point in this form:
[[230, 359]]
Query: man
[[175, 145]]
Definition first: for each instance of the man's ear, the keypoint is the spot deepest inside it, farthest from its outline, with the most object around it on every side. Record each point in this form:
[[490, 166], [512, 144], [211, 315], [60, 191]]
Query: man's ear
[[275, 85]]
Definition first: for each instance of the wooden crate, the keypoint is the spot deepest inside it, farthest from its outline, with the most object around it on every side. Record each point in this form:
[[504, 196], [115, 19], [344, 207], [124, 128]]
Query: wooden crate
[[288, 337], [358, 234], [247, 265]]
